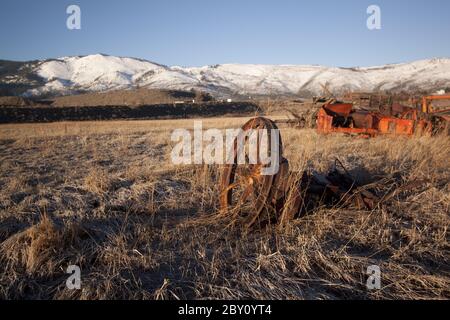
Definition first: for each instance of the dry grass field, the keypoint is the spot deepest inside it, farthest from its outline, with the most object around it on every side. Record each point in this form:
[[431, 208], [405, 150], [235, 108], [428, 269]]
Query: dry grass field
[[106, 197]]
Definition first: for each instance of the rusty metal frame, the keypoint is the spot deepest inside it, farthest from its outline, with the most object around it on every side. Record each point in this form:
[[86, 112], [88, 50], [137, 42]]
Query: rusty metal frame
[[372, 123]]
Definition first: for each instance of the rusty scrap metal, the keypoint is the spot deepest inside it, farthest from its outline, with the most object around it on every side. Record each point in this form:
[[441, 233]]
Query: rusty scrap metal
[[427, 106], [392, 118], [383, 117], [281, 197], [241, 183], [341, 118]]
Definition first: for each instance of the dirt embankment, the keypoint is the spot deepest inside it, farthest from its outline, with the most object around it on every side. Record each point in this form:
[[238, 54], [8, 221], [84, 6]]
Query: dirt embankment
[[138, 97], [13, 101]]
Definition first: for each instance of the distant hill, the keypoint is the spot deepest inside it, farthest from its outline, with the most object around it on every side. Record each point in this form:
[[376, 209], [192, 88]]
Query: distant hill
[[138, 97], [15, 101], [96, 73]]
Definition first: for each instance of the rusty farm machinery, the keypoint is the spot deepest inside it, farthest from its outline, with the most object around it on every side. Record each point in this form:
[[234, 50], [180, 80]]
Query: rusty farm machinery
[[333, 116], [284, 195]]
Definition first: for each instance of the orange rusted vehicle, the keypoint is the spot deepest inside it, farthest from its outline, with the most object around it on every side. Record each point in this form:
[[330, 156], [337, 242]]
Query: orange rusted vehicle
[[341, 117]]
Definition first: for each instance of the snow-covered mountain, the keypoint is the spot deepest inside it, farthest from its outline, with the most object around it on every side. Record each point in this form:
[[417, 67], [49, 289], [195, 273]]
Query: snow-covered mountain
[[98, 72]]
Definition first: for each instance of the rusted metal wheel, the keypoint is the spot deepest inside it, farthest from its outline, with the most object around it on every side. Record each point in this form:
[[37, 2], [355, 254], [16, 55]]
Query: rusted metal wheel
[[245, 191]]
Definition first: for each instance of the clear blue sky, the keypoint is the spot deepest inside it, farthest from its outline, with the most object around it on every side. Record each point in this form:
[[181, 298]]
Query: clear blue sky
[[201, 32]]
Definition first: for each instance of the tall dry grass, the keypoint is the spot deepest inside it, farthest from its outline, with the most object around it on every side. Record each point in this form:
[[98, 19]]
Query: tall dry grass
[[105, 196]]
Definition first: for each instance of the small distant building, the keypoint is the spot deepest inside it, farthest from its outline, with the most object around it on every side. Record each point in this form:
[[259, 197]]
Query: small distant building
[[183, 101]]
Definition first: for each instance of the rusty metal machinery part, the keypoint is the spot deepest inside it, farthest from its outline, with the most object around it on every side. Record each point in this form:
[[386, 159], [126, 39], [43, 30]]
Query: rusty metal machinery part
[[243, 185], [281, 197], [400, 120]]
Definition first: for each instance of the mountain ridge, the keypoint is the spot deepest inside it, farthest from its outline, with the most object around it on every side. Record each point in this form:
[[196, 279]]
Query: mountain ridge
[[100, 72]]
